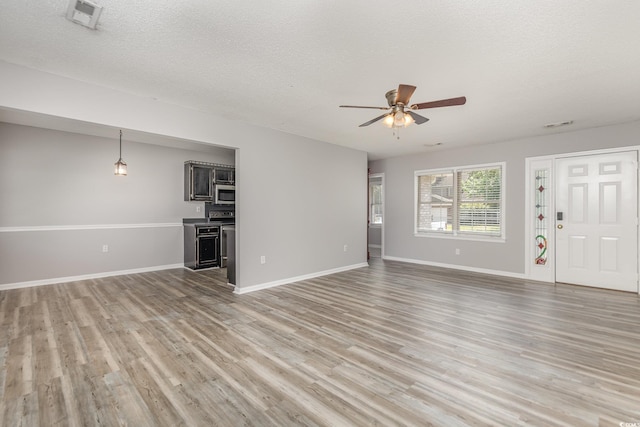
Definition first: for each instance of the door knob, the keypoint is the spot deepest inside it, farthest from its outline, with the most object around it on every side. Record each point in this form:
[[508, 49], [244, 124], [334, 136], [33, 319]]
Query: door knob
[[560, 227]]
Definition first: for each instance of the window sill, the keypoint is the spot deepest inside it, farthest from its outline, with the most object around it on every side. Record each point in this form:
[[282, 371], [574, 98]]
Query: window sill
[[488, 239]]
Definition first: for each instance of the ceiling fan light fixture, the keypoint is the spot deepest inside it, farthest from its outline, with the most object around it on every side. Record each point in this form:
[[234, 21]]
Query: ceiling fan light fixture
[[408, 119], [398, 119]]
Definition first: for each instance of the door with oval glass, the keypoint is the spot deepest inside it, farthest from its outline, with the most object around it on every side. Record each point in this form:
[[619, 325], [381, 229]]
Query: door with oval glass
[[596, 221]]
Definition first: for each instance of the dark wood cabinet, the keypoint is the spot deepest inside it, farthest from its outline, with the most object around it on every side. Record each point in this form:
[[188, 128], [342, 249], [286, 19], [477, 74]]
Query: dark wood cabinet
[[198, 182]]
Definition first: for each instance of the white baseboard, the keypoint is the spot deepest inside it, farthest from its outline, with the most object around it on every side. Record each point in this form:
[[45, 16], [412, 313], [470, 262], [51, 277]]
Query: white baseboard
[[43, 282], [290, 280], [458, 267]]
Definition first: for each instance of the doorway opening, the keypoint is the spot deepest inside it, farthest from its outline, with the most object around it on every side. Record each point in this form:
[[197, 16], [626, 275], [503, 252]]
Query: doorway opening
[[375, 217]]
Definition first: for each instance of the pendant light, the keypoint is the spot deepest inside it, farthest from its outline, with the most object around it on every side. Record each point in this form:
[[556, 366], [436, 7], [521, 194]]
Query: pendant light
[[121, 166]]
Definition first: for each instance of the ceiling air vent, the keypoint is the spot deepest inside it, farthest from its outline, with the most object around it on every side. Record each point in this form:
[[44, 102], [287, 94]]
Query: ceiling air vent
[[559, 124], [84, 13]]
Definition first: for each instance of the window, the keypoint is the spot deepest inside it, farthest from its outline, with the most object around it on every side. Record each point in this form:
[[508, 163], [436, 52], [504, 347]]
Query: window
[[465, 201], [435, 202], [375, 201]]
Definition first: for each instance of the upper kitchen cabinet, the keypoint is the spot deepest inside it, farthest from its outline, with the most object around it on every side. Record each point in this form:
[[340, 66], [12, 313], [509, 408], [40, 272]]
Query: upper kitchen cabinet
[[198, 181], [201, 180]]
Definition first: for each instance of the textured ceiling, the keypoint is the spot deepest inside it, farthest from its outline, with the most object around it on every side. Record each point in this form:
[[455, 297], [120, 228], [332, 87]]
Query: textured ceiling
[[288, 64]]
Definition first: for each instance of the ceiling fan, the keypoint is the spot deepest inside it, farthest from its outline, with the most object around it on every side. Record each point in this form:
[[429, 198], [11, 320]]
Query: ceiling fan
[[400, 113]]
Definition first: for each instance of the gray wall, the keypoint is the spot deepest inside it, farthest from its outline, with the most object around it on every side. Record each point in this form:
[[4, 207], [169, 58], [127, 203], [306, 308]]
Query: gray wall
[[507, 257], [299, 201], [305, 201], [61, 203]]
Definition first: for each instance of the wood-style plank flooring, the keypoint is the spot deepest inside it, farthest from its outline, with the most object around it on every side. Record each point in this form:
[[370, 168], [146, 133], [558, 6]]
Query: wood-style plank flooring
[[392, 344]]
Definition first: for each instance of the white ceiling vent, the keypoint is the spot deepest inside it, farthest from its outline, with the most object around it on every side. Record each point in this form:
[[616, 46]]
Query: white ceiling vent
[[84, 13]]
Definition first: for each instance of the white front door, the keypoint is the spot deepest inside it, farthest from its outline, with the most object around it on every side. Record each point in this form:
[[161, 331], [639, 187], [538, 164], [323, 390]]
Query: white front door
[[596, 221]]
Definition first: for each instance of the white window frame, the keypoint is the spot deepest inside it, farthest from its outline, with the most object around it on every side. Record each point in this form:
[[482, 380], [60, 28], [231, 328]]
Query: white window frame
[[455, 234], [376, 180]]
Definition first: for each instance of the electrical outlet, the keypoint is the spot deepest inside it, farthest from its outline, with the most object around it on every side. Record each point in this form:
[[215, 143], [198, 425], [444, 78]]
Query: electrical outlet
[[263, 259], [345, 248], [105, 248], [198, 208], [457, 251]]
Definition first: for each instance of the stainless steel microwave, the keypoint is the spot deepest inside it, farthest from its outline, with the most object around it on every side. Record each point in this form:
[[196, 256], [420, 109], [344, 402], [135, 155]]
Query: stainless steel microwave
[[224, 176], [225, 194]]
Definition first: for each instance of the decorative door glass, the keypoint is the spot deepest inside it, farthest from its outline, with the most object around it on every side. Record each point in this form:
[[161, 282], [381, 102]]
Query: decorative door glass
[[541, 216]]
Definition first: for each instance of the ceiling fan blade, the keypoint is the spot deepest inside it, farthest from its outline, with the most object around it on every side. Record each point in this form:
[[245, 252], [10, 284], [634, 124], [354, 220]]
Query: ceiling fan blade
[[373, 120], [404, 94], [417, 118], [360, 106], [441, 103]]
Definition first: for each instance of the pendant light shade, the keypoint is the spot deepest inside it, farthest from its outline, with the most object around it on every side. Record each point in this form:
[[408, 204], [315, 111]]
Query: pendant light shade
[[121, 166]]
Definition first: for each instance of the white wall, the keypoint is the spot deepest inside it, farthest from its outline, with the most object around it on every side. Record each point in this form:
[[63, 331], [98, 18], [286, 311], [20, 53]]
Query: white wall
[[507, 257], [299, 200]]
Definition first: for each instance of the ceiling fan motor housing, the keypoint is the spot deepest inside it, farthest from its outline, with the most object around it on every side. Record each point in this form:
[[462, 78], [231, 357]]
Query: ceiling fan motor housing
[[391, 97]]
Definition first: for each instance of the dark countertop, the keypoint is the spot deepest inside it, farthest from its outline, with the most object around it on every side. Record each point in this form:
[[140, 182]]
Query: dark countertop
[[203, 221], [199, 221]]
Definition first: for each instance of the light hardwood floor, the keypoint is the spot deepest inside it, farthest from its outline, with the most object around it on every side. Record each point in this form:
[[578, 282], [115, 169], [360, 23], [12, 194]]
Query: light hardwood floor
[[392, 344]]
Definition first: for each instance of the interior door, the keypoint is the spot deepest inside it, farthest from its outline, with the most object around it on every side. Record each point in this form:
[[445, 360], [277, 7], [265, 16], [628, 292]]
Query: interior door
[[596, 221]]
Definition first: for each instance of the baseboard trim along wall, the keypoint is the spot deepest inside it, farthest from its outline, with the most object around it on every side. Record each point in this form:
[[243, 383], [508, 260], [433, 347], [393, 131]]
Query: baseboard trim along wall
[[458, 267], [101, 275], [290, 280]]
